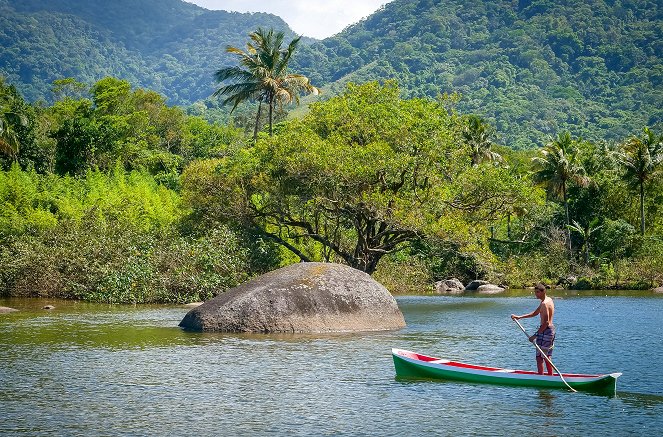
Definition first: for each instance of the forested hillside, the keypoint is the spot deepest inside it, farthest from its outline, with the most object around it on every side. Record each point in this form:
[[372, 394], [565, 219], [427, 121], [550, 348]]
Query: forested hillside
[[530, 67], [168, 46]]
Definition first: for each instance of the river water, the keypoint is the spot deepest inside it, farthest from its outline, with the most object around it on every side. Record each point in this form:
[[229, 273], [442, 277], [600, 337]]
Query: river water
[[91, 369]]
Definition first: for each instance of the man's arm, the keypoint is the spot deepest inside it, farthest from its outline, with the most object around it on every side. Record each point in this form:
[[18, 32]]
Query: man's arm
[[532, 314], [528, 315]]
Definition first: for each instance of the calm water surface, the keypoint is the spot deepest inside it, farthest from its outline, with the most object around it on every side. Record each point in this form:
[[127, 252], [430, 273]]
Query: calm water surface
[[89, 369]]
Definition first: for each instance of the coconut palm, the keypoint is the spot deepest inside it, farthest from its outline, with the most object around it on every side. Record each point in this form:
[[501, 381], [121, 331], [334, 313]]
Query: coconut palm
[[585, 233], [262, 75], [9, 118], [642, 158], [557, 168], [476, 134]]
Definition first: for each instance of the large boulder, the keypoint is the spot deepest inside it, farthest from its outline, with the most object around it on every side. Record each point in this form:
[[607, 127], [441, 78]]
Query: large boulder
[[658, 289], [304, 297], [449, 286]]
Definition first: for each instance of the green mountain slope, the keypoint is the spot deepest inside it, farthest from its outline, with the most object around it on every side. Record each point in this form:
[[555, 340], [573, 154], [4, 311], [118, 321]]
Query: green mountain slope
[[530, 67], [169, 46]]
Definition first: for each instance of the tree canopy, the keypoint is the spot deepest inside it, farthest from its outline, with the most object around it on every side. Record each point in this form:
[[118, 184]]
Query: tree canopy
[[361, 175]]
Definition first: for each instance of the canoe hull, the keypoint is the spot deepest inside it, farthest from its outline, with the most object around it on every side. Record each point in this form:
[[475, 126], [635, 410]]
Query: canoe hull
[[411, 365]]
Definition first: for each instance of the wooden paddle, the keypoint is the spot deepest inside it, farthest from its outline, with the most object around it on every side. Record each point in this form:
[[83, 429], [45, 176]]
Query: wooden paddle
[[545, 356]]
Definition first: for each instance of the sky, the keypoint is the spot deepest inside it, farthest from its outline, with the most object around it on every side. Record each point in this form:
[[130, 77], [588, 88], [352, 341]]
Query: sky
[[317, 19]]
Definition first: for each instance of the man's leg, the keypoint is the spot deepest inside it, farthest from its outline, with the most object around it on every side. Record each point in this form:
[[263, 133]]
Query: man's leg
[[549, 367]]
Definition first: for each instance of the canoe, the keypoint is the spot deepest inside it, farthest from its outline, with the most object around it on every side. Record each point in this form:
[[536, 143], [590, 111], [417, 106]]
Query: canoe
[[413, 365]]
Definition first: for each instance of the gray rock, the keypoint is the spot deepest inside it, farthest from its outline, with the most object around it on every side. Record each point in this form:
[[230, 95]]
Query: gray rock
[[474, 285], [4, 310], [489, 289], [48, 307], [303, 297], [567, 281], [449, 286], [658, 290]]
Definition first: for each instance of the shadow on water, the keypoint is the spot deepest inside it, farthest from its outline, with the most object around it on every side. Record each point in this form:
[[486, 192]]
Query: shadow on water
[[640, 399], [415, 306]]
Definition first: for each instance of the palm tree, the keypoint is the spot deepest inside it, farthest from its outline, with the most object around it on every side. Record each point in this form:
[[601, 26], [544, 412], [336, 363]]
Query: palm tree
[[476, 134], [263, 75], [557, 168], [641, 159], [9, 118], [585, 233]]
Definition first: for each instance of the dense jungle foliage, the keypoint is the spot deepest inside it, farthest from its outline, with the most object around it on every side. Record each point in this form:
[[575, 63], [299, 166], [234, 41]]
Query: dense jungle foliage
[[531, 68], [169, 46], [109, 194]]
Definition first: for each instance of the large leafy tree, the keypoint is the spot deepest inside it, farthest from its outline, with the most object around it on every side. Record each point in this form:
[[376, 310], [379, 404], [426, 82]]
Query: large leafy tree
[[262, 75], [558, 166], [118, 124], [642, 159], [361, 176]]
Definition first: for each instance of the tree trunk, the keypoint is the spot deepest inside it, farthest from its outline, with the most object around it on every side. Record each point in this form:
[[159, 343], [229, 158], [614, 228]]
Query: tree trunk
[[568, 220], [368, 263], [271, 110], [255, 129], [642, 209]]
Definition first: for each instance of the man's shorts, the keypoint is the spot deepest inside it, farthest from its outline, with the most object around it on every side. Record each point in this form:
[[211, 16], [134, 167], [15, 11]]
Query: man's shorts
[[546, 341]]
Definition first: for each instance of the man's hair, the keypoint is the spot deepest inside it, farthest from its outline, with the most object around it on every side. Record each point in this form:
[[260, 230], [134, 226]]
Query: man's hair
[[540, 287]]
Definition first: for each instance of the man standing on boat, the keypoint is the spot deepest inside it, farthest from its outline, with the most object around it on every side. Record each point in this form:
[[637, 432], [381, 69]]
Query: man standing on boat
[[545, 335]]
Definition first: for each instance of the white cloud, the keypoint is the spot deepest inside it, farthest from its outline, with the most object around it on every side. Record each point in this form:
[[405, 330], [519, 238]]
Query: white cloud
[[305, 17]]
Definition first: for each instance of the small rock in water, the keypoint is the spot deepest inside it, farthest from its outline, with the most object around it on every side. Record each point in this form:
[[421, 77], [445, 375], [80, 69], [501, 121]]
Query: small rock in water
[[4, 310], [48, 307], [474, 285], [489, 289], [449, 286]]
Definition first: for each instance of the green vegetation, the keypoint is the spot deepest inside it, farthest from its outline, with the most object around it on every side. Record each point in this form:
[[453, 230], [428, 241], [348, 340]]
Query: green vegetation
[[557, 168], [107, 193], [361, 175], [111, 195], [90, 205], [530, 68], [169, 46], [108, 237]]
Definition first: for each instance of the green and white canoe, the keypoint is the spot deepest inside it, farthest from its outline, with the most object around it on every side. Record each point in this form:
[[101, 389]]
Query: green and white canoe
[[413, 365]]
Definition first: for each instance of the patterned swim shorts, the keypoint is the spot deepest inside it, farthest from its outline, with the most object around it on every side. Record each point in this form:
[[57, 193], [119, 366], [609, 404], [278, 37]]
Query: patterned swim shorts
[[546, 341]]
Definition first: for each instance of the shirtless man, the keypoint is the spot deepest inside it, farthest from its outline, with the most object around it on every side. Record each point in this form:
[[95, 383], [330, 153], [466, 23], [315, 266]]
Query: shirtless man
[[545, 335]]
